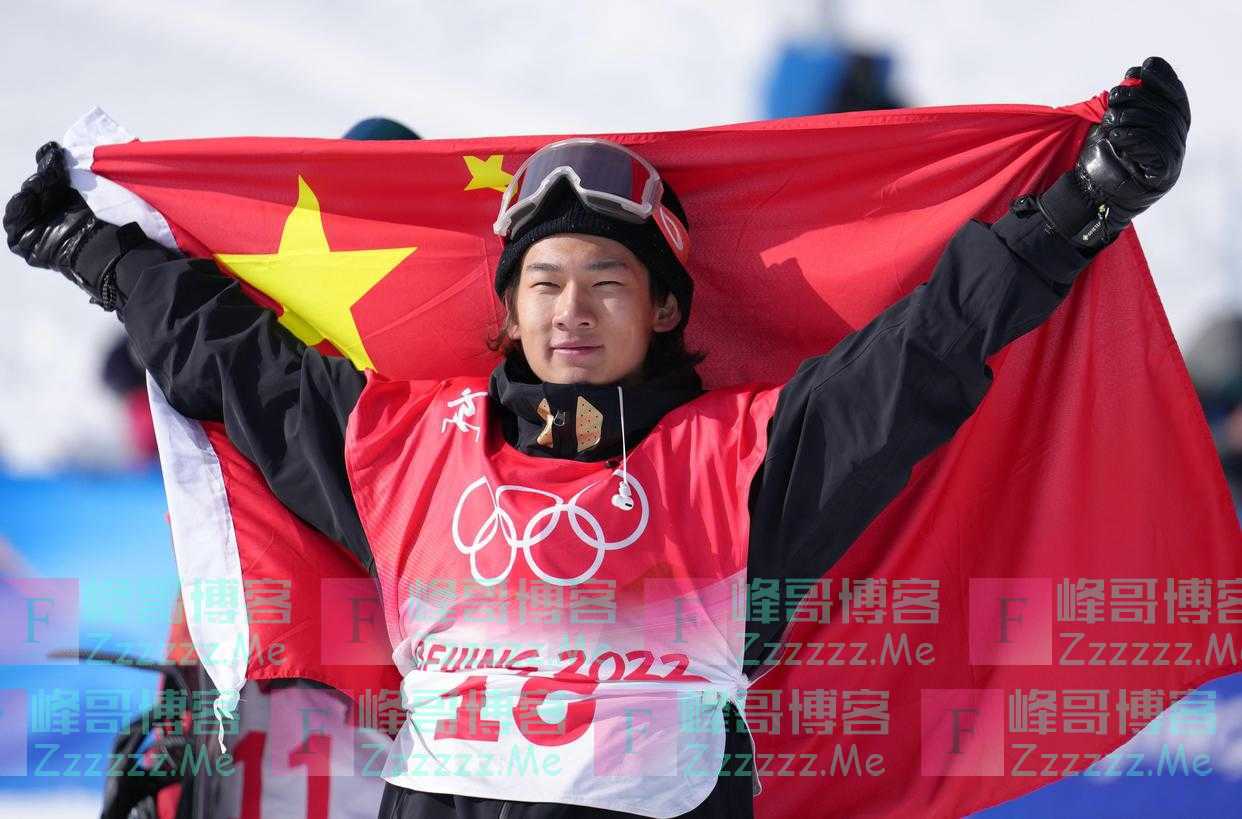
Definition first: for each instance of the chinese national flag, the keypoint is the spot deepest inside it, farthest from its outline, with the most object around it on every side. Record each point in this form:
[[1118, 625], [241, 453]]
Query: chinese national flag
[[1028, 593]]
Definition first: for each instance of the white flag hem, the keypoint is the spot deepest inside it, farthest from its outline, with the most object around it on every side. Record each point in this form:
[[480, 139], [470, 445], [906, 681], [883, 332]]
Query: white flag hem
[[204, 541], [205, 545], [106, 199]]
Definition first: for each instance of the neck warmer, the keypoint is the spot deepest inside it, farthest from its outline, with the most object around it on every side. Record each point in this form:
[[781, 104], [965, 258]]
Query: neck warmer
[[582, 422]]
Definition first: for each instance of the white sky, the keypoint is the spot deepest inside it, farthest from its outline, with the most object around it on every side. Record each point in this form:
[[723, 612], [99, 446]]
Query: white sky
[[178, 69]]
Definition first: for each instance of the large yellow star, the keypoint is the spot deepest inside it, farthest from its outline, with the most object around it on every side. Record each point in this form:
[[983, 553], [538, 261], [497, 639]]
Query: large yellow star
[[487, 173], [316, 285]]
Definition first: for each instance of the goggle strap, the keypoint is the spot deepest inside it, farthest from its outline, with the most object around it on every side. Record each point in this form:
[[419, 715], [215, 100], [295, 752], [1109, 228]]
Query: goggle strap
[[674, 232]]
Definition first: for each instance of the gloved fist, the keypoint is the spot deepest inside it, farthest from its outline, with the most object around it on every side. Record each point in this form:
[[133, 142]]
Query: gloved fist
[[43, 211], [49, 225], [1127, 162]]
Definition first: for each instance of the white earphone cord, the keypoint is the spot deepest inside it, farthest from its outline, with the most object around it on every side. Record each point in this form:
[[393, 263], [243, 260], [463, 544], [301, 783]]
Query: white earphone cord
[[625, 472]]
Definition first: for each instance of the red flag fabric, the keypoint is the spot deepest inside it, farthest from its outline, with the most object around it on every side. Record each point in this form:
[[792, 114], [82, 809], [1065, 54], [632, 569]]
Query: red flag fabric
[[1061, 573]]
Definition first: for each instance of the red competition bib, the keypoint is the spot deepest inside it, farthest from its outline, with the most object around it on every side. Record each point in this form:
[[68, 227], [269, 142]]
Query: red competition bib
[[555, 645]]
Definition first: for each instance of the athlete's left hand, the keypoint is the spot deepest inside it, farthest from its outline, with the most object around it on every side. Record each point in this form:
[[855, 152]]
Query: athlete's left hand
[[1128, 161]]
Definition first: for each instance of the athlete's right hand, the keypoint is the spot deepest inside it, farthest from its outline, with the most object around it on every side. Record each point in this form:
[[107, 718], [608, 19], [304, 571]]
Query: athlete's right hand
[[49, 225]]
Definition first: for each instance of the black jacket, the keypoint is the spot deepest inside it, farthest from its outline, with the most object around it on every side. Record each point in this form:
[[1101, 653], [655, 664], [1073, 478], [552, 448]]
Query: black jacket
[[848, 428]]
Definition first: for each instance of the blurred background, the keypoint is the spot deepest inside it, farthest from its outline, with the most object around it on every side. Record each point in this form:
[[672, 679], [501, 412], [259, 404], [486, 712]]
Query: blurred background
[[79, 488]]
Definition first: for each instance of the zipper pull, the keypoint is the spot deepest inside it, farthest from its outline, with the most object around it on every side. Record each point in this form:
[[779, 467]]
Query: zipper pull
[[1089, 234]]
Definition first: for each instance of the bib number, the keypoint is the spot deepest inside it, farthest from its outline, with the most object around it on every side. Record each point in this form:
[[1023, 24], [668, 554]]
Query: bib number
[[468, 722]]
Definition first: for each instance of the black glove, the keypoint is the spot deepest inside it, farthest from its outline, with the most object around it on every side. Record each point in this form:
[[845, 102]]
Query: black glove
[[1127, 162], [49, 225]]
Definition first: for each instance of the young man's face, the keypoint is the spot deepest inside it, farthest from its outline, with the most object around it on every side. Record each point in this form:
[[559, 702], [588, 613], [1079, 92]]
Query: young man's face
[[584, 310]]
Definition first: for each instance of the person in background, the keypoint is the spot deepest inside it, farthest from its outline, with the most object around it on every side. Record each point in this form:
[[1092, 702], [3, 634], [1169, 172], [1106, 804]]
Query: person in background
[[380, 128], [1215, 363], [125, 378]]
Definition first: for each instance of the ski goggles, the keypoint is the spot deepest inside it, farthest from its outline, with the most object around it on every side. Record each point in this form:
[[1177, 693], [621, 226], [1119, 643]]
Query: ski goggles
[[608, 178]]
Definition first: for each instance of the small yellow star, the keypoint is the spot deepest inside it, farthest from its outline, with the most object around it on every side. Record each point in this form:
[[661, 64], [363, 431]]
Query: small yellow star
[[317, 286], [487, 173]]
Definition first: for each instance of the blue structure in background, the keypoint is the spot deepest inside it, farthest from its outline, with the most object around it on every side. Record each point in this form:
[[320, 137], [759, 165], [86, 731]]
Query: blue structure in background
[[804, 76], [110, 533], [827, 77]]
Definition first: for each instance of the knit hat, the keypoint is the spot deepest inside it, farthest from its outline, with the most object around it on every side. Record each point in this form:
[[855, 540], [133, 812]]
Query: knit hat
[[563, 212], [380, 128]]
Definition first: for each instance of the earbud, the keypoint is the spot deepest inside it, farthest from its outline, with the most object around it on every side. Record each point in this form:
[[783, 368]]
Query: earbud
[[622, 500]]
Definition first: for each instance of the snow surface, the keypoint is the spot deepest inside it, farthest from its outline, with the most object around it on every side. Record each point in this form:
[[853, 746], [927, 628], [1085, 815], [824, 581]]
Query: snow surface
[[64, 805], [176, 69]]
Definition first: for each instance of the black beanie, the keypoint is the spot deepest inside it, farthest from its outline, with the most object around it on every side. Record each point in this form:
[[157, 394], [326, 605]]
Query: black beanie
[[563, 212]]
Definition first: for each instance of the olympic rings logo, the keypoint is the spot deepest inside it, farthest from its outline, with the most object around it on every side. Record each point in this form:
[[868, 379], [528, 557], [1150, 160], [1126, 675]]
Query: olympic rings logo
[[584, 524]]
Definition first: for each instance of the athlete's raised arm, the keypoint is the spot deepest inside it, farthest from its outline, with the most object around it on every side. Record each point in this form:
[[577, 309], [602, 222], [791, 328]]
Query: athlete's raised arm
[[216, 355], [851, 424]]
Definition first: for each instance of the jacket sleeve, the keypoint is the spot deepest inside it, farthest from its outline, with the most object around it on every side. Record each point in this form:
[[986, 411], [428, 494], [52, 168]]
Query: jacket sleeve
[[218, 356], [850, 425]]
